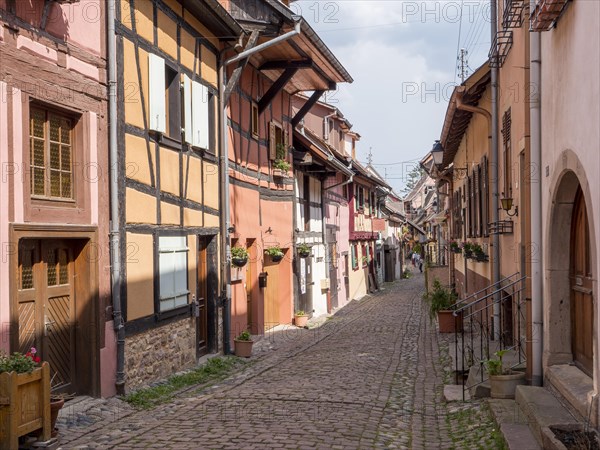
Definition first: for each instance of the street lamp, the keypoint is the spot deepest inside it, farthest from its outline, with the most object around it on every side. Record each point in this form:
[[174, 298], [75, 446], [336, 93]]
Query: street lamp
[[507, 204], [438, 153]]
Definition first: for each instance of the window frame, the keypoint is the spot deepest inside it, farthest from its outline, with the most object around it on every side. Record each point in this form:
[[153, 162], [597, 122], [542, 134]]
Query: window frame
[[159, 298], [73, 143]]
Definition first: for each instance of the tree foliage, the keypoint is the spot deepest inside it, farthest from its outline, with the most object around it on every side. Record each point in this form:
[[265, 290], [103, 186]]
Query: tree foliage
[[412, 178]]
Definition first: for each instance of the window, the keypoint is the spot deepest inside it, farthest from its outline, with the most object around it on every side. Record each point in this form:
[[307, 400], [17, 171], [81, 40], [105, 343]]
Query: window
[[278, 142], [353, 249], [506, 140], [254, 120], [306, 201], [172, 265], [359, 197], [51, 154], [365, 256]]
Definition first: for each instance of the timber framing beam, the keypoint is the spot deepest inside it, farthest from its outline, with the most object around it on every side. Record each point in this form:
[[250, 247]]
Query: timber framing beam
[[237, 72], [314, 98], [287, 64], [275, 88]]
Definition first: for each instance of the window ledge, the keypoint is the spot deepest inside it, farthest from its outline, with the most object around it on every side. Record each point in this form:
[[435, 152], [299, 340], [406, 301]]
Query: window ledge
[[179, 311]]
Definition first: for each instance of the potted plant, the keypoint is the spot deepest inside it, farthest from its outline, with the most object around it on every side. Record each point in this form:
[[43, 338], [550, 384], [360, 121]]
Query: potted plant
[[442, 302], [275, 253], [478, 253], [243, 344], [303, 250], [503, 382], [467, 248], [239, 256], [454, 247], [300, 318], [25, 388]]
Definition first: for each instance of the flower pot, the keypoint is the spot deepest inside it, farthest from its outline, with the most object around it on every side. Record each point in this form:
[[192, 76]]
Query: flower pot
[[280, 173], [481, 257], [448, 323], [243, 349], [504, 386], [468, 253], [276, 258], [239, 262], [304, 254], [455, 249], [300, 321], [55, 406]]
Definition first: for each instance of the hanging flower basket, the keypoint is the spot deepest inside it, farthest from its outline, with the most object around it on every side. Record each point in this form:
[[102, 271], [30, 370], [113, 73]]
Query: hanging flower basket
[[303, 250], [239, 262]]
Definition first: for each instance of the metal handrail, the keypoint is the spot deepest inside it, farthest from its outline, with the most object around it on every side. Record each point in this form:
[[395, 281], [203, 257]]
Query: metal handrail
[[487, 296], [486, 288], [477, 318]]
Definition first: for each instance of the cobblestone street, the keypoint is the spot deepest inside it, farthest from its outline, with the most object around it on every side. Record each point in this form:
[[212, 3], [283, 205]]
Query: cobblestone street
[[371, 376]]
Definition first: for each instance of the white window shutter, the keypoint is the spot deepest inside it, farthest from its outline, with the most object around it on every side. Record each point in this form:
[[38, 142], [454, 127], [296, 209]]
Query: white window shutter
[[200, 114], [156, 74], [187, 109]]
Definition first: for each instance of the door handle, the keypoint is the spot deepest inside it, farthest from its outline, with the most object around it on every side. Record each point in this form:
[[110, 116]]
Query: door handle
[[47, 326]]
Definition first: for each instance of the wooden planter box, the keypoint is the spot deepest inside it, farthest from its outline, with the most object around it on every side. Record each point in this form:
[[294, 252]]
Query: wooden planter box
[[24, 405]]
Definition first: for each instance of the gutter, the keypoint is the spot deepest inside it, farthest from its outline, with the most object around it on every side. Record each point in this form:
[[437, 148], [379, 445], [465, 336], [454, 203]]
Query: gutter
[[537, 287], [115, 241], [225, 217]]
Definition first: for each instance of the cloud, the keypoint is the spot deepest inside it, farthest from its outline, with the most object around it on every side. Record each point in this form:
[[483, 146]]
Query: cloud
[[402, 56]]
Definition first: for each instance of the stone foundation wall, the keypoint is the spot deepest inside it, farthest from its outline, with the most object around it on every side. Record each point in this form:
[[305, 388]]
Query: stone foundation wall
[[160, 352]]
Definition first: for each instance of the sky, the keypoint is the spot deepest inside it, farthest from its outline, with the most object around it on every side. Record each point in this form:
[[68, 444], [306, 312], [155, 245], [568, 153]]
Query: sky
[[402, 55]]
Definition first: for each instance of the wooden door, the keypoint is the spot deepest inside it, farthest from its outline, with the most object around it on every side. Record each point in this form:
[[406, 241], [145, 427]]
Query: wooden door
[[250, 270], [46, 306], [582, 305], [305, 301], [201, 299], [271, 294]]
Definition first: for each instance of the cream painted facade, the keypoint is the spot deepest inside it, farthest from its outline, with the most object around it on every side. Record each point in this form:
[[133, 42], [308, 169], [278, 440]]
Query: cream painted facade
[[570, 97]]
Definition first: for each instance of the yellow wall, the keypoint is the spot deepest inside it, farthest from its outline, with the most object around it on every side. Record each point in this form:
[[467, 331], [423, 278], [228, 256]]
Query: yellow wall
[[156, 166], [140, 286]]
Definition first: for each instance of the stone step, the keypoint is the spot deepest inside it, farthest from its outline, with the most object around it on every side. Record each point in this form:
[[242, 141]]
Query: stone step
[[543, 410], [513, 424]]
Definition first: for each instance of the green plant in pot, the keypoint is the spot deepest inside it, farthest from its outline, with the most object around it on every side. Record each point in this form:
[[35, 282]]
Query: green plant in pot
[[282, 165], [300, 318], [303, 250], [454, 246], [442, 302], [467, 248], [478, 253], [503, 381], [243, 344], [275, 253], [239, 256]]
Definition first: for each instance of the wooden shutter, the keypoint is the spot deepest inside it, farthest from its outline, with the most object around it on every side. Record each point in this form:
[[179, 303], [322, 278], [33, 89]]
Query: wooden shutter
[[272, 141], [485, 195], [187, 110], [200, 115], [157, 97], [476, 203]]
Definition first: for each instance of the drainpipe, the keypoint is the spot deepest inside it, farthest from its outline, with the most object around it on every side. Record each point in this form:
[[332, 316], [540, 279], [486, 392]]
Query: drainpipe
[[225, 220], [326, 126], [493, 150], [115, 243], [537, 299]]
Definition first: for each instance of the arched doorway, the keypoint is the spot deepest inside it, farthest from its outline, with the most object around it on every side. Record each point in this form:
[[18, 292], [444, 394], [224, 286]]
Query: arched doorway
[[580, 282]]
